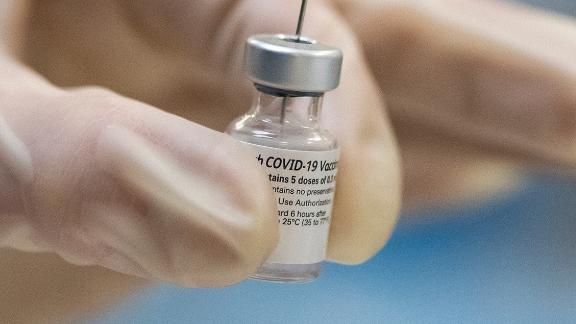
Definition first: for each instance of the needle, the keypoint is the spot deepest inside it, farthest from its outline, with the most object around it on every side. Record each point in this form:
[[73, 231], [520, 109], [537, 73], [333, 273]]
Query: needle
[[298, 35], [301, 19]]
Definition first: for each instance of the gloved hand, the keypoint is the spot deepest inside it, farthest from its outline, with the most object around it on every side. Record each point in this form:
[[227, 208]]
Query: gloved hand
[[477, 91], [104, 180], [101, 179], [467, 82]]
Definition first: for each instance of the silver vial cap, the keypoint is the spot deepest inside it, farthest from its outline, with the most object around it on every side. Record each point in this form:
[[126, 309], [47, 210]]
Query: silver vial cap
[[280, 62]]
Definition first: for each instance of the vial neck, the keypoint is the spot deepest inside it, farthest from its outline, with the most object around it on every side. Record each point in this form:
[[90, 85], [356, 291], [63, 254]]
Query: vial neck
[[284, 109]]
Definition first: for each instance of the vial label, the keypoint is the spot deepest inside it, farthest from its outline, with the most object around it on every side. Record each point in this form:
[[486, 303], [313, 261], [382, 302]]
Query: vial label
[[304, 184]]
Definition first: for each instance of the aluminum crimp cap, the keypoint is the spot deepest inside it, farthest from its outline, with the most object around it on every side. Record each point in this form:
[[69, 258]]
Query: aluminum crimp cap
[[279, 61]]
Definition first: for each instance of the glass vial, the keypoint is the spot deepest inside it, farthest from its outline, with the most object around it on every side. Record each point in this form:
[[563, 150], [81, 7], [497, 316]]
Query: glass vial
[[299, 156]]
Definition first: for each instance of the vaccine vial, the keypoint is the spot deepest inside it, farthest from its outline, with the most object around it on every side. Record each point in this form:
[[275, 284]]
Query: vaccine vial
[[291, 75]]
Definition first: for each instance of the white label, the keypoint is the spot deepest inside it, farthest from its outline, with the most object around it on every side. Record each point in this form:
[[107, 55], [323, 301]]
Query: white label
[[304, 184]]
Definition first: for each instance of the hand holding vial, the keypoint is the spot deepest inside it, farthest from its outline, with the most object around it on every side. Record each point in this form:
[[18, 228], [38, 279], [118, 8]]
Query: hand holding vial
[[101, 179]]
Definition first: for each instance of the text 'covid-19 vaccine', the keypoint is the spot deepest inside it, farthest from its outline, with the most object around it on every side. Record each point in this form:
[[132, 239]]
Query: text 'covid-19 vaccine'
[[291, 74]]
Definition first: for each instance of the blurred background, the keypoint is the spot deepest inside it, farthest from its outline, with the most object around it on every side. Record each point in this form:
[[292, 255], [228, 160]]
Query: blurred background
[[508, 260]]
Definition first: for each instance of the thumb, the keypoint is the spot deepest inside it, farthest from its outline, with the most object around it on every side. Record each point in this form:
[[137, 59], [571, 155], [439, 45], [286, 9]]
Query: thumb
[[100, 179]]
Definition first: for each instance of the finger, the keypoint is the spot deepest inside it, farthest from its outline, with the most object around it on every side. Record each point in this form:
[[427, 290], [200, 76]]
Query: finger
[[207, 37], [474, 69], [441, 172], [123, 185], [368, 187]]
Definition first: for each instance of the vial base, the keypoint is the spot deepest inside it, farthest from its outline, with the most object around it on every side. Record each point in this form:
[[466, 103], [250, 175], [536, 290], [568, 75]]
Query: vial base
[[288, 273]]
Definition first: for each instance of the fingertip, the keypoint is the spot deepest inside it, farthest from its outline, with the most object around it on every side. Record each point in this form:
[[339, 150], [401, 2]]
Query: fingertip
[[212, 204], [367, 204]]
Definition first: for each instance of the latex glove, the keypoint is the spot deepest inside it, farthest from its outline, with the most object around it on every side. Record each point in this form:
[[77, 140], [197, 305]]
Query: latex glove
[[476, 89], [475, 92], [104, 180], [182, 57], [114, 182]]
